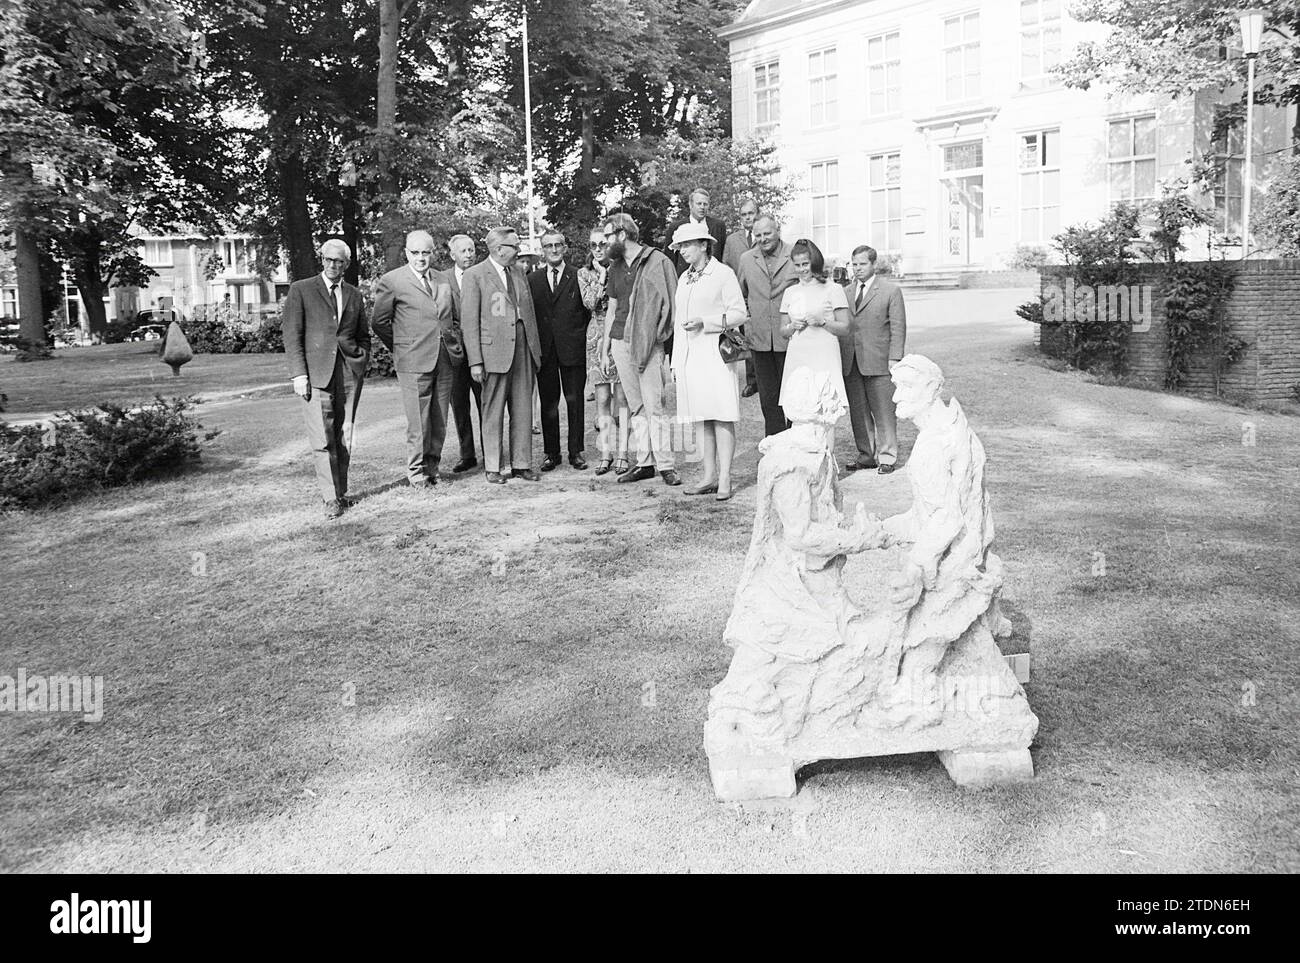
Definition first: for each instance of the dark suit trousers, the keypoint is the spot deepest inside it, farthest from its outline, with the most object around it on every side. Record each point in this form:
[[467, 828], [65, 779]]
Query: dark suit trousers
[[768, 367], [512, 389], [461, 386], [751, 379], [325, 415], [573, 378], [426, 396], [871, 410]]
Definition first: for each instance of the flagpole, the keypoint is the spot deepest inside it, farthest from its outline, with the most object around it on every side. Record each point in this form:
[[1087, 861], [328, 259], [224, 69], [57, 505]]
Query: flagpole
[[528, 137]]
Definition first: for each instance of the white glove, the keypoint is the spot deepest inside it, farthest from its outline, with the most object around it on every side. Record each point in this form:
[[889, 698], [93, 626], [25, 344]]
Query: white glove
[[302, 387]]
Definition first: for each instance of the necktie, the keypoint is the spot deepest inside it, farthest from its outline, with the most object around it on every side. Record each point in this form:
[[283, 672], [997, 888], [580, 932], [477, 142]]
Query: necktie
[[555, 279], [338, 304], [424, 280], [749, 239], [862, 290]]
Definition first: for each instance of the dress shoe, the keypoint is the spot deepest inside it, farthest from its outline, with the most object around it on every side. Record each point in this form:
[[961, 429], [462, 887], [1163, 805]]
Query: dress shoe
[[671, 478], [334, 508], [527, 474], [886, 469], [550, 463], [860, 465], [637, 474], [494, 478], [723, 496], [748, 391], [465, 464], [425, 482], [710, 489], [578, 462]]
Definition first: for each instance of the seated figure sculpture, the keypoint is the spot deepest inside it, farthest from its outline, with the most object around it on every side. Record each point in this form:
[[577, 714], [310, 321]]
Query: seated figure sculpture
[[815, 676]]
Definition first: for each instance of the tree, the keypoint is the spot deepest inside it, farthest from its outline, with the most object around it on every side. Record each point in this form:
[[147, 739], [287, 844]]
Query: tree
[[1179, 47], [1277, 219], [105, 129]]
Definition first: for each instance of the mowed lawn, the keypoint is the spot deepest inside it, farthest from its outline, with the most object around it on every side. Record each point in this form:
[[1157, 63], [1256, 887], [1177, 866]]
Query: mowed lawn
[[515, 678]]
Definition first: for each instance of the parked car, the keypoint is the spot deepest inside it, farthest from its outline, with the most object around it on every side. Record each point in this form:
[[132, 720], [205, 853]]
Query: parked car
[[149, 332]]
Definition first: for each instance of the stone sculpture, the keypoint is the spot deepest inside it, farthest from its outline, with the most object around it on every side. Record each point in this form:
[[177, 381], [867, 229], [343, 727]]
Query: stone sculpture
[[813, 675]]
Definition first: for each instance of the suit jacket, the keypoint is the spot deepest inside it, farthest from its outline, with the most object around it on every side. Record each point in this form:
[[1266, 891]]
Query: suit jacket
[[737, 244], [763, 293], [314, 335], [877, 331], [562, 318], [717, 230], [488, 315], [413, 323]]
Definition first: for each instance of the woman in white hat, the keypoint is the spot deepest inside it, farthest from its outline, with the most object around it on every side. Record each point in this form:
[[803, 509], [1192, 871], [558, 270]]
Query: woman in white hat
[[708, 302]]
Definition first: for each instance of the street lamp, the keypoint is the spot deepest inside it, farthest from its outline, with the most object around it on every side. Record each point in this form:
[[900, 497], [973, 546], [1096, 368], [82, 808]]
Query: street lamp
[[1252, 28], [528, 138]]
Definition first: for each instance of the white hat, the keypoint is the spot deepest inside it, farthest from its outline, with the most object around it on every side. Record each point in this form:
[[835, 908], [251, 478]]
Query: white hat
[[690, 231]]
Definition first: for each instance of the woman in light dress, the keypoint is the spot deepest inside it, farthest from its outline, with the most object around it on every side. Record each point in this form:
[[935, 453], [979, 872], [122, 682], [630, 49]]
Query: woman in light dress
[[708, 392], [814, 316], [605, 384]]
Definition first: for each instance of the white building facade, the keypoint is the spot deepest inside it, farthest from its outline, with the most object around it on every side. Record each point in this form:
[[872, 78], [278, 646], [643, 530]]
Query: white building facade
[[933, 130]]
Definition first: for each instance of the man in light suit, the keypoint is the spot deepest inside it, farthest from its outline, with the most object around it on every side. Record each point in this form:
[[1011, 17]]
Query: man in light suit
[[413, 318], [327, 345], [461, 248], [504, 353], [562, 321], [765, 272], [877, 338], [738, 242], [699, 214]]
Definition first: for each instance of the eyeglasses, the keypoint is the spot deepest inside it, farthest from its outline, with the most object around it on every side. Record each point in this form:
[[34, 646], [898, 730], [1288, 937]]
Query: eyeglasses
[[552, 247], [335, 260], [595, 244]]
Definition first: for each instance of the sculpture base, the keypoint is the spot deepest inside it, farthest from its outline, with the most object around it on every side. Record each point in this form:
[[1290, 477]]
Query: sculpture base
[[974, 768], [752, 777]]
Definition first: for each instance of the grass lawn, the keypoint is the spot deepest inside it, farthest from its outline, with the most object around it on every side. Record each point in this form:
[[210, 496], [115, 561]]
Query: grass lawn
[[488, 678], [130, 372]]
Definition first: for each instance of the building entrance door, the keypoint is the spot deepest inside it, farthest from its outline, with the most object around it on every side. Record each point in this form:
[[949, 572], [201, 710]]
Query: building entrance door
[[962, 204]]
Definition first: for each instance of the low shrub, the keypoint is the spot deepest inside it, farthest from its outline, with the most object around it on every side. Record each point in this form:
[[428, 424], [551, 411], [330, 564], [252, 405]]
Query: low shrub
[[1027, 257], [95, 448], [222, 330], [381, 361]]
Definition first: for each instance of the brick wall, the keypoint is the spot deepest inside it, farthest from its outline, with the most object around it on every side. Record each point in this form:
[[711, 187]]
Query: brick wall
[[1263, 310]]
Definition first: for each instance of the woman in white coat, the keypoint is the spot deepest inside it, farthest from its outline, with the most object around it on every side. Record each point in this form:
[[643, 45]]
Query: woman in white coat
[[708, 301]]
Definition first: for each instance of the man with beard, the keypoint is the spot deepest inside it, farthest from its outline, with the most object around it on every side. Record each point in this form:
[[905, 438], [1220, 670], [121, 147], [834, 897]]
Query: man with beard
[[461, 248], [642, 288], [765, 272]]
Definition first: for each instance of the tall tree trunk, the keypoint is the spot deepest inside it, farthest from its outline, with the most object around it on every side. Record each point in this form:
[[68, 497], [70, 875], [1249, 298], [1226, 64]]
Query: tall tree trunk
[[390, 27], [584, 179], [352, 233], [86, 248], [31, 316], [299, 237]]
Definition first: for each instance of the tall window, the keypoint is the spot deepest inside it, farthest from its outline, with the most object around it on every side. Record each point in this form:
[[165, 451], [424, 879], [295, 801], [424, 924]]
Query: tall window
[[1131, 159], [767, 94], [1040, 186], [823, 108], [884, 74], [961, 56], [9, 302], [239, 255], [1229, 168], [885, 201], [158, 253], [825, 195], [1040, 37]]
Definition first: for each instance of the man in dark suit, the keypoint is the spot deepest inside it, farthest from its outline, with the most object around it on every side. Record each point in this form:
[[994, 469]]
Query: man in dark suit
[[877, 338], [413, 318], [562, 321], [327, 345], [738, 242], [699, 214], [461, 248], [501, 342]]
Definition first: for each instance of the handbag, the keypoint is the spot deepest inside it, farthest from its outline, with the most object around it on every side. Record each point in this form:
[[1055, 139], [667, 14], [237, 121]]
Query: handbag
[[732, 345]]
